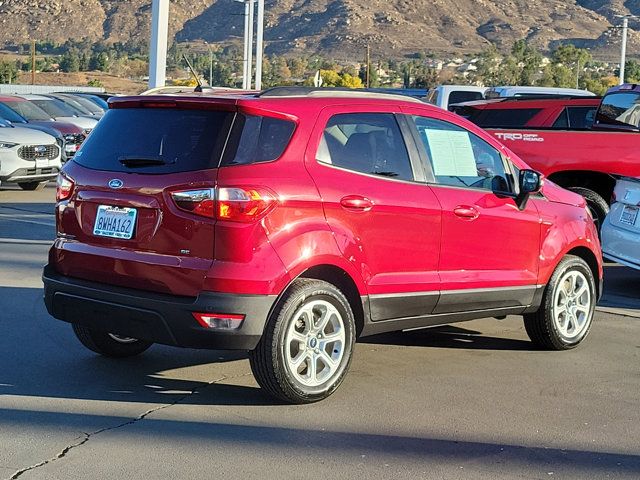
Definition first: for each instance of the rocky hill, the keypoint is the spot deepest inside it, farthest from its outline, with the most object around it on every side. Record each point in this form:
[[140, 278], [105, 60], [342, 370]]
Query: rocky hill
[[339, 28]]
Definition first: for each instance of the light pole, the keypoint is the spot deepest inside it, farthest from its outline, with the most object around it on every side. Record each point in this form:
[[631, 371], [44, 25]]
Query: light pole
[[158, 45], [623, 52], [259, 44], [247, 69], [210, 64]]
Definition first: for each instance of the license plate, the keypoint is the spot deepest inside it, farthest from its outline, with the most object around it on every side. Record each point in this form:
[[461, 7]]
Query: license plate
[[115, 222], [629, 215], [42, 163]]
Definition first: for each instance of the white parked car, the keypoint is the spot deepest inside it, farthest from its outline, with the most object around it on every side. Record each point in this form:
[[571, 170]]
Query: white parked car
[[61, 112], [525, 91], [621, 229], [28, 157], [446, 95]]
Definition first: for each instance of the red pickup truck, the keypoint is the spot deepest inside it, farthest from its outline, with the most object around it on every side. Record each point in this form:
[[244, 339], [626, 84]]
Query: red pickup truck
[[585, 159]]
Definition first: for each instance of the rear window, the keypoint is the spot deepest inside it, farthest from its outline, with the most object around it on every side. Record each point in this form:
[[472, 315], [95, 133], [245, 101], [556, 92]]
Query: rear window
[[459, 97], [149, 140], [256, 139], [576, 118], [620, 109], [503, 118]]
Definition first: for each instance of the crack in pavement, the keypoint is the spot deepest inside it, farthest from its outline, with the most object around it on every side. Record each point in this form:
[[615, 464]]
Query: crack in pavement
[[87, 436]]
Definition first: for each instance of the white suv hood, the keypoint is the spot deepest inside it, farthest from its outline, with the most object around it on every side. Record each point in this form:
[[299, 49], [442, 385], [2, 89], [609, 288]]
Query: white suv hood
[[26, 136]]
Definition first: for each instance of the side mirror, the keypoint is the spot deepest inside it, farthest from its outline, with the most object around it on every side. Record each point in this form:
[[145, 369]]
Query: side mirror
[[529, 182]]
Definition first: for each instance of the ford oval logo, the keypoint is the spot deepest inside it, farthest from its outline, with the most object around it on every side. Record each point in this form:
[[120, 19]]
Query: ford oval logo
[[116, 183]]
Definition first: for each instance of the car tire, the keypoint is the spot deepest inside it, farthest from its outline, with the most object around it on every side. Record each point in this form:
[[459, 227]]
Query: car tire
[[32, 186], [306, 348], [597, 205], [568, 304], [108, 344]]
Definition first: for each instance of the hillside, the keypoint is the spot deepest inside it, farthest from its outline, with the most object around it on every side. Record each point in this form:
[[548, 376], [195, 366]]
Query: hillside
[[339, 28]]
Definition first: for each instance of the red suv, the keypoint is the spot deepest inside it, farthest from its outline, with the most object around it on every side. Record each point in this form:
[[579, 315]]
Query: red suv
[[291, 222]]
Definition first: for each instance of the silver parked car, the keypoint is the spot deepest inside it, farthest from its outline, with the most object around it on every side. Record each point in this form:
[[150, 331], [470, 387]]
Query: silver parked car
[[621, 229]]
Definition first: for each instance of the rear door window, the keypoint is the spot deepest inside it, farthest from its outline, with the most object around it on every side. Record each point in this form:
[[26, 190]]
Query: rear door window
[[370, 143], [150, 140], [581, 117]]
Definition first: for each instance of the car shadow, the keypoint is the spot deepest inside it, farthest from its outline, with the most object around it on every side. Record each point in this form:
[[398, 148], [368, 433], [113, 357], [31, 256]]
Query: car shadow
[[621, 288], [448, 336]]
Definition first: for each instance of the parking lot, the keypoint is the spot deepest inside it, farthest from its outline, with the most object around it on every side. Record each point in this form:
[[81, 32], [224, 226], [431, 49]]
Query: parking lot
[[470, 401]]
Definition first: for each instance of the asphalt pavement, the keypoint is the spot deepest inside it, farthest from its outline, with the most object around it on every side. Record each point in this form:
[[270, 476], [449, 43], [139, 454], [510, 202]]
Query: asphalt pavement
[[468, 401]]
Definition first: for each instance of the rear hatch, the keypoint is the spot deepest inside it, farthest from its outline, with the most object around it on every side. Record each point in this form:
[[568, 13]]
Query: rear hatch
[[140, 212]]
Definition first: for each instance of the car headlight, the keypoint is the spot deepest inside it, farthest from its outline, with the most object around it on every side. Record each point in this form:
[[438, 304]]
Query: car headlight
[[8, 145]]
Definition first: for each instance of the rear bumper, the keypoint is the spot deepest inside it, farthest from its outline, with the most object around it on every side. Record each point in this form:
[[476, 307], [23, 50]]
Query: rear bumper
[[158, 318]]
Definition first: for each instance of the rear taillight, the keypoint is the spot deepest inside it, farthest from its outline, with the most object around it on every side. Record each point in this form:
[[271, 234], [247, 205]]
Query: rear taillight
[[198, 202], [237, 204], [64, 187], [244, 204]]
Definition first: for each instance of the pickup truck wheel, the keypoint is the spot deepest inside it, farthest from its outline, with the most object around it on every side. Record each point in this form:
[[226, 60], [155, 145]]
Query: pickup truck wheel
[[31, 186], [109, 344], [307, 345], [566, 313], [597, 205]]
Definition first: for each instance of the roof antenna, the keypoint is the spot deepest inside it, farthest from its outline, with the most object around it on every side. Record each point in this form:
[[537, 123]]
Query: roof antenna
[[193, 72]]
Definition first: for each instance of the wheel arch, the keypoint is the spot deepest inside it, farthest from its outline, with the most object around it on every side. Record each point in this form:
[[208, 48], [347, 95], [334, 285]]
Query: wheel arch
[[341, 279], [601, 183], [590, 258]]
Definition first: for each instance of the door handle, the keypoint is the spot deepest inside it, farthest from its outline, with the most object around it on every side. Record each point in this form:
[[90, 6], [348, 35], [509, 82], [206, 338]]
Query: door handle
[[466, 212], [356, 203]]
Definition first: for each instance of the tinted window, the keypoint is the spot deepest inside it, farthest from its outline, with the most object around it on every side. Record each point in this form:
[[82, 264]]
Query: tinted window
[[28, 110], [620, 109], [367, 143], [460, 158], [459, 97], [8, 114], [503, 118], [581, 117], [257, 139], [175, 140], [54, 108], [562, 121]]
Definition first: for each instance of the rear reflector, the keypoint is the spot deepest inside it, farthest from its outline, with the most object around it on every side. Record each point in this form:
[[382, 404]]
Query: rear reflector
[[219, 321], [64, 187]]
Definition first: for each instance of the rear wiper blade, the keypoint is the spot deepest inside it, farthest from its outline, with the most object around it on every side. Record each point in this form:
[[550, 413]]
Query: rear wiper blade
[[138, 161]]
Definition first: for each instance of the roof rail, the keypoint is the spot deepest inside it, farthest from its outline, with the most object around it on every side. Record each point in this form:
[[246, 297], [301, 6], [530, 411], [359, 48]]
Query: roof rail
[[325, 92], [535, 96]]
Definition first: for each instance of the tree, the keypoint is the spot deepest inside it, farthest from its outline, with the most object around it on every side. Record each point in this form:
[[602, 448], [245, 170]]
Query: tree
[[99, 62], [70, 62], [8, 72], [631, 71], [350, 81]]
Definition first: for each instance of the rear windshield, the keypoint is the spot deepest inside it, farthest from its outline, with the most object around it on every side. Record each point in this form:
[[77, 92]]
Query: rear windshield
[[161, 141], [502, 118], [462, 96], [620, 109], [55, 108]]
